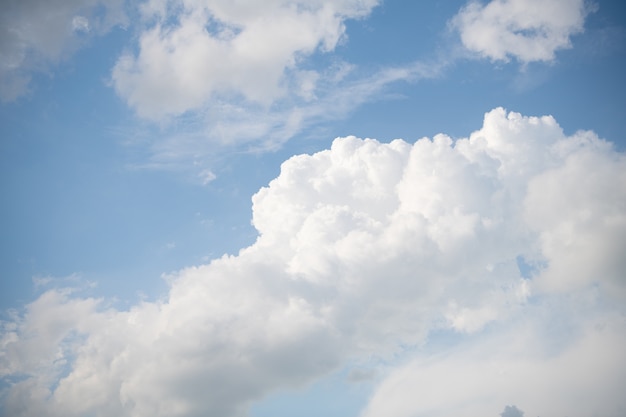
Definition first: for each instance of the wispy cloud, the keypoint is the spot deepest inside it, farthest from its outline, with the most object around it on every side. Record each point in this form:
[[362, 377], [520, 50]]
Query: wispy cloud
[[194, 140], [37, 34]]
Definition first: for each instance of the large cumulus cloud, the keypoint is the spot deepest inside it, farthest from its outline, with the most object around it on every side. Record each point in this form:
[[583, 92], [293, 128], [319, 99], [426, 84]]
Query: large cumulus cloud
[[368, 250]]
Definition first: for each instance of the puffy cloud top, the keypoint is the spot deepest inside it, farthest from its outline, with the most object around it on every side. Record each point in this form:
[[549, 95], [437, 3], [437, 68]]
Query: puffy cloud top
[[365, 249], [529, 30]]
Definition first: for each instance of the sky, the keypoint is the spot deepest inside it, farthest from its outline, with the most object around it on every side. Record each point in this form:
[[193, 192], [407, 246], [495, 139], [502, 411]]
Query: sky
[[348, 208]]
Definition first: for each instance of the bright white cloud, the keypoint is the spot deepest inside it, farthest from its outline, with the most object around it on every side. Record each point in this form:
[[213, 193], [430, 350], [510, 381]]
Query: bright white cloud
[[583, 230], [528, 30], [37, 33], [193, 51], [363, 250]]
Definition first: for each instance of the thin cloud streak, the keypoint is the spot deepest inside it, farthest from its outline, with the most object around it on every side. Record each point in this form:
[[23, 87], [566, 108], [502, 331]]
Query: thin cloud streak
[[226, 126]]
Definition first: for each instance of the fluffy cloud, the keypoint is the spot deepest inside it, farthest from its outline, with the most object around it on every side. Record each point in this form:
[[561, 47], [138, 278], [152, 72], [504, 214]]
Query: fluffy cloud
[[36, 33], [529, 30], [192, 51], [369, 250]]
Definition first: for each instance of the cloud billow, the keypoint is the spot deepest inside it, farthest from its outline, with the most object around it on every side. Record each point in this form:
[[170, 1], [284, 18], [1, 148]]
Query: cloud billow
[[528, 30], [364, 250]]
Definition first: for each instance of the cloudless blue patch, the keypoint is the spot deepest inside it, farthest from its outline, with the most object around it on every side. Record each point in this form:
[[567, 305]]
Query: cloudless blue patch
[[398, 32], [443, 338], [525, 269]]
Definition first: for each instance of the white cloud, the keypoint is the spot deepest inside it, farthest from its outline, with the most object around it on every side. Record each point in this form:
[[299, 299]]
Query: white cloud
[[366, 250], [520, 364], [37, 33], [195, 138], [512, 411], [528, 30], [194, 51], [583, 230]]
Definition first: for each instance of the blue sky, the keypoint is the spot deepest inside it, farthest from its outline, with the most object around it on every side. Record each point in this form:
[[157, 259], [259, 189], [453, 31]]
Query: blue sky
[[184, 235]]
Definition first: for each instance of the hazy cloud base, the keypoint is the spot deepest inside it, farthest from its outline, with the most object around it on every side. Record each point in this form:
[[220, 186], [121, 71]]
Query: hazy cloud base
[[35, 34], [367, 251]]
